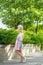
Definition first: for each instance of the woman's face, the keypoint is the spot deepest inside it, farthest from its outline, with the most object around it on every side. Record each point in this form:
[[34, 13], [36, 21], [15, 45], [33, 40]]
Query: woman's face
[[20, 30]]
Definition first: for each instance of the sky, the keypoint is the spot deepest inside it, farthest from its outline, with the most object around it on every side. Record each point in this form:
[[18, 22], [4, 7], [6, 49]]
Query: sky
[[3, 26]]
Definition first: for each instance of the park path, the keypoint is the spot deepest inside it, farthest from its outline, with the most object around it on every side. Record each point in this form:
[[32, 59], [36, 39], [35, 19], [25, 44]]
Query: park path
[[37, 60]]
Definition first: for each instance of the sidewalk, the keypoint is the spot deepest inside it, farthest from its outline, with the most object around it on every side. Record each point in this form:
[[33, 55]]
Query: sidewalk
[[36, 54], [29, 61]]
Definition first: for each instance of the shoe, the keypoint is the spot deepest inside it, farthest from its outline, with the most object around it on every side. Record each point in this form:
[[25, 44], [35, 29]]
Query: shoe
[[24, 60]]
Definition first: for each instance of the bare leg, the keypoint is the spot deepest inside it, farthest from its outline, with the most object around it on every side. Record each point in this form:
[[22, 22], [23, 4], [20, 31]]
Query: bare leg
[[22, 59], [20, 53]]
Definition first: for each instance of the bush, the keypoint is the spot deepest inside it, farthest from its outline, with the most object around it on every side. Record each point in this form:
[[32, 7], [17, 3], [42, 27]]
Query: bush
[[33, 38], [9, 37]]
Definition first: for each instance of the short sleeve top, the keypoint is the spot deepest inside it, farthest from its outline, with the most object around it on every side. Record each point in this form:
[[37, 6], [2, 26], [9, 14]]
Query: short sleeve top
[[20, 37]]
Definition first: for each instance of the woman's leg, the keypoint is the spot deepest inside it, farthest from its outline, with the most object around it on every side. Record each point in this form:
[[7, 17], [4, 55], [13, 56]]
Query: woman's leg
[[22, 59], [22, 55], [19, 52]]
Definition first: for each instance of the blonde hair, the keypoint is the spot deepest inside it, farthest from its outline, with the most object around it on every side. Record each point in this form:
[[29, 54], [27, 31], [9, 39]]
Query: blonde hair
[[20, 26]]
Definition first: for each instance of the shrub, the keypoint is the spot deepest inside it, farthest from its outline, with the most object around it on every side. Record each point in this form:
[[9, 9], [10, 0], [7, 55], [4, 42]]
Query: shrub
[[9, 37], [33, 38]]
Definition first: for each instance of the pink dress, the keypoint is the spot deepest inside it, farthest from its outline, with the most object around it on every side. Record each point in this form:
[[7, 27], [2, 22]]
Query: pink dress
[[18, 44]]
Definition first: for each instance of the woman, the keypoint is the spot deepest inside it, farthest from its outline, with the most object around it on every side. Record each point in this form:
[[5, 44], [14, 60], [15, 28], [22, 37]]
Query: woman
[[18, 44]]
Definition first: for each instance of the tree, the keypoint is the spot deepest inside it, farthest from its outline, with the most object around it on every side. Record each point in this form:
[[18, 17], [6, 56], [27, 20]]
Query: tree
[[25, 12]]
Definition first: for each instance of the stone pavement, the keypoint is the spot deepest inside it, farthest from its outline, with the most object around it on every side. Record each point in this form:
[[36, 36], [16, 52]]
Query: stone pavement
[[38, 60]]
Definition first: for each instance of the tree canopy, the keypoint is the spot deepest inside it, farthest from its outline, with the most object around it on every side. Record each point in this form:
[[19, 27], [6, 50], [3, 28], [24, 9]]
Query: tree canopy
[[25, 12]]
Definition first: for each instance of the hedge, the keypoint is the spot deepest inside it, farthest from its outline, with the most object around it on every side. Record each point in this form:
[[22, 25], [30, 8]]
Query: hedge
[[33, 38], [9, 37]]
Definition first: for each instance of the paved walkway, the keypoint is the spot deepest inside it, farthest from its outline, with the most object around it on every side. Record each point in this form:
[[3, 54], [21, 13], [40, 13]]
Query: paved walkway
[[37, 60]]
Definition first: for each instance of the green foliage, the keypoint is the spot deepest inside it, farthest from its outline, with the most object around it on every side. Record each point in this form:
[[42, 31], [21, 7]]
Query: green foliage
[[9, 37], [25, 12], [33, 38]]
